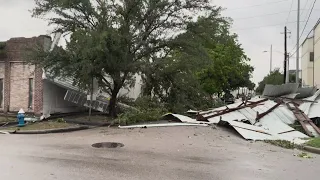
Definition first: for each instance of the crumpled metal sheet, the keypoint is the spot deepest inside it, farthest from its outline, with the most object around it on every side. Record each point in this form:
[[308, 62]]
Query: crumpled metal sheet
[[249, 113], [183, 118], [252, 132], [305, 92], [273, 126], [314, 110], [280, 90], [241, 114], [161, 125], [305, 107], [281, 113]]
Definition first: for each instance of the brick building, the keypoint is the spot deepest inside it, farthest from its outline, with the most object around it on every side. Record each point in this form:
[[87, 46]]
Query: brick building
[[28, 87], [22, 85]]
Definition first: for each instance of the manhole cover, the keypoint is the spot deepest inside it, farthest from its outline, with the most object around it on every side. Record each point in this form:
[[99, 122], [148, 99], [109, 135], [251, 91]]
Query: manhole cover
[[107, 145]]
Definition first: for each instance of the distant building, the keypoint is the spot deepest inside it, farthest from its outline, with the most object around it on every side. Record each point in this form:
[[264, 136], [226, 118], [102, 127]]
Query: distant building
[[293, 71], [316, 47], [310, 58], [307, 60]]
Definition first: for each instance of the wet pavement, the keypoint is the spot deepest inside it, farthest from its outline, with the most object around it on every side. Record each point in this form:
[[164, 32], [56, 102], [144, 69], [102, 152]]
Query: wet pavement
[[154, 153]]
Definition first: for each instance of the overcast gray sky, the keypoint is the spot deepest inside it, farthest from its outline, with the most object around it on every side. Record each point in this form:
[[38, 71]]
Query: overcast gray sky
[[258, 23]]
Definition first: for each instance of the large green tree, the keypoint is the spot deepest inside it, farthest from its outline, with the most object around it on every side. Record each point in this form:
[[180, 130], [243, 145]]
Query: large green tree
[[211, 62], [228, 68], [111, 40]]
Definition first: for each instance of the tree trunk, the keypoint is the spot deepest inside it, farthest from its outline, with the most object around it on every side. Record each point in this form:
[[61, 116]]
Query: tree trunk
[[112, 104]]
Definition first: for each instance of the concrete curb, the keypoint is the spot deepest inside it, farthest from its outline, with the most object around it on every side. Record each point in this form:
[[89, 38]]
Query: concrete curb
[[4, 132], [312, 149], [48, 131], [8, 124], [87, 123]]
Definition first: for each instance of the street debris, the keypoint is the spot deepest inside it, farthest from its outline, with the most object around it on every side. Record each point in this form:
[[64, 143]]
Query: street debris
[[4, 132], [281, 143], [261, 118], [303, 155], [181, 118], [161, 125]]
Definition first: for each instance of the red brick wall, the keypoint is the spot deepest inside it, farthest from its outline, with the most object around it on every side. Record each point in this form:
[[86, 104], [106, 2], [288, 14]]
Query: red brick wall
[[38, 91]]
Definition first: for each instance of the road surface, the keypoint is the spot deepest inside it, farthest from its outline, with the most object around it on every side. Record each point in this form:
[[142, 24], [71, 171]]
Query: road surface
[[154, 153]]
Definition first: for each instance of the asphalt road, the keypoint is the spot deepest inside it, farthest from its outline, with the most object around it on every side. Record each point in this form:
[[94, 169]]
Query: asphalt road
[[182, 153]]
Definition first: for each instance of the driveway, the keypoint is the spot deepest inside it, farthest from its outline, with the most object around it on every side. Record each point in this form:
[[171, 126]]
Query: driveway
[[154, 153]]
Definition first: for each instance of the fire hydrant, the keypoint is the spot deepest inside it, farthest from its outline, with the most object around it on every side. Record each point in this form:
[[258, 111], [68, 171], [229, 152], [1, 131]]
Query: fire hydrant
[[20, 117]]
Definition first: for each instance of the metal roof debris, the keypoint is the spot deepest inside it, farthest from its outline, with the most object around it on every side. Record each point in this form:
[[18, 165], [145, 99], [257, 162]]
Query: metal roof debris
[[181, 118], [161, 125], [270, 119], [280, 90], [261, 118], [304, 120], [306, 92]]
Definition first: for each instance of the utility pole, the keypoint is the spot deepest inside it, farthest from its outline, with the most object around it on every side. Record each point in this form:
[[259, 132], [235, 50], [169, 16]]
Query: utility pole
[[288, 67], [270, 58], [285, 56], [298, 42]]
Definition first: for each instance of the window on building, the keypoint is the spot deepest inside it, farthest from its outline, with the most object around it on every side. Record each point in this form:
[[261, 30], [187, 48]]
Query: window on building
[[311, 56], [1, 93], [30, 102]]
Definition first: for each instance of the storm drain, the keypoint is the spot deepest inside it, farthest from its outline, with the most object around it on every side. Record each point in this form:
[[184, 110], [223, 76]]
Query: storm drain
[[107, 145]]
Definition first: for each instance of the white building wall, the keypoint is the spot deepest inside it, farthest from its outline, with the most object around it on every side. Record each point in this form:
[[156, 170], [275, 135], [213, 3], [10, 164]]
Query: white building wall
[[306, 64], [53, 100], [317, 56], [133, 92]]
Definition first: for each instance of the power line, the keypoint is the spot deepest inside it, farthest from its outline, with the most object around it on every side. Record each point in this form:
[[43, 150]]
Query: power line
[[307, 36], [305, 5], [289, 12], [304, 28], [257, 5], [262, 15], [271, 25], [250, 17], [314, 2]]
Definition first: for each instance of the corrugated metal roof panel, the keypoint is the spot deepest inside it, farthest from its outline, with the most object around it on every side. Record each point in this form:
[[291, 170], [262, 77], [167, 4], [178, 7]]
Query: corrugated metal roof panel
[[249, 113], [294, 136], [184, 119], [306, 92], [251, 132], [232, 116], [280, 90], [64, 82], [305, 107], [280, 113], [314, 110], [275, 126]]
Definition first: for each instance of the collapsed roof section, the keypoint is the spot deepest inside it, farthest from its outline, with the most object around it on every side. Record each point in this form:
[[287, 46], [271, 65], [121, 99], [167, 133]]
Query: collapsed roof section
[[265, 119]]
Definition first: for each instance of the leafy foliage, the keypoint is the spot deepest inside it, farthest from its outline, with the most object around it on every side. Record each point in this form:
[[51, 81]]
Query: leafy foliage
[[212, 62], [282, 143], [149, 109], [113, 40], [274, 78], [315, 142]]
